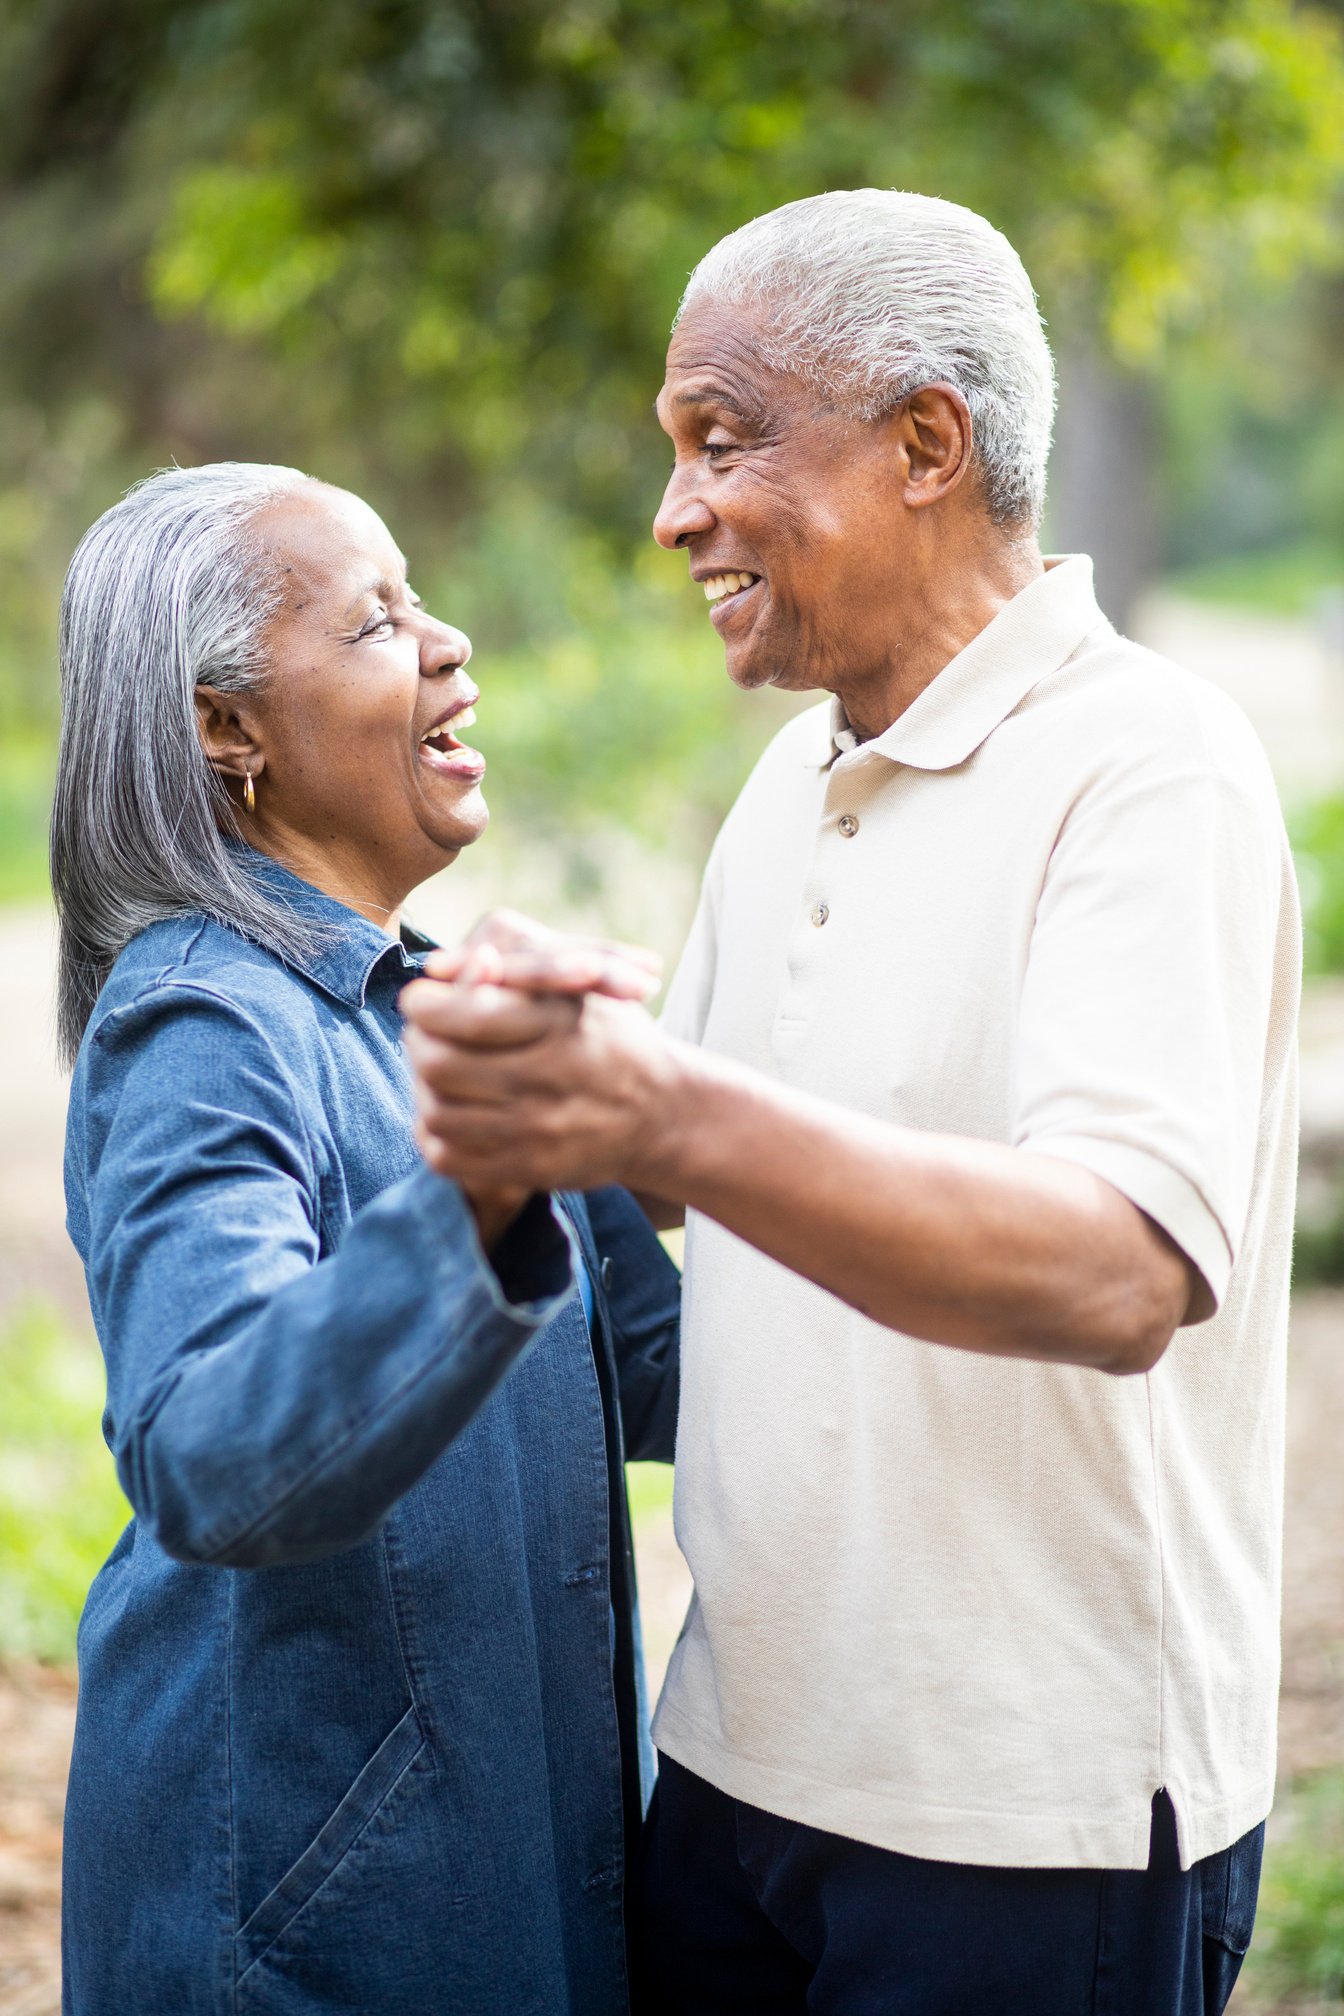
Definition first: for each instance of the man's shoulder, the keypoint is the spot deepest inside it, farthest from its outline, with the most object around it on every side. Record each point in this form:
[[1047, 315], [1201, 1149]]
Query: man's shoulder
[[1118, 697]]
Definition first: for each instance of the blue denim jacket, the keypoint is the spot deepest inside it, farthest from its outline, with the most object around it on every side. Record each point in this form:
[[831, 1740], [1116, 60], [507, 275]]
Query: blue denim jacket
[[358, 1720]]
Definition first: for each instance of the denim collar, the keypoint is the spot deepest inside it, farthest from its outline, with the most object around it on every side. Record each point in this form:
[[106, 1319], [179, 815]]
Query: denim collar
[[349, 948]]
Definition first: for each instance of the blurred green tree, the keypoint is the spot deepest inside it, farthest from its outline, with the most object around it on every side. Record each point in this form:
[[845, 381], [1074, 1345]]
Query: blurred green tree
[[469, 223], [432, 247]]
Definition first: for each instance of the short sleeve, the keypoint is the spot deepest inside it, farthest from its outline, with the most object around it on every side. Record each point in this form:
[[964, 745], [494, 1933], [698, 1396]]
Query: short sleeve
[[1148, 993]]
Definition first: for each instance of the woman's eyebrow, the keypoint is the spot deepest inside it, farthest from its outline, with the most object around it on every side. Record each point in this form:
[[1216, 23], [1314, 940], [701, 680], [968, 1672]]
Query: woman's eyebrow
[[384, 590]]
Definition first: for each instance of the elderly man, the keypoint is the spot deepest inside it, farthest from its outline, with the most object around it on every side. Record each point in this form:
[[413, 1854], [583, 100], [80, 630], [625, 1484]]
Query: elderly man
[[977, 1084]]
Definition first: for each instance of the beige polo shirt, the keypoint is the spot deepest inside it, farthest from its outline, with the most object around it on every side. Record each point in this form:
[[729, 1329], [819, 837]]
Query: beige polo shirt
[[972, 1608]]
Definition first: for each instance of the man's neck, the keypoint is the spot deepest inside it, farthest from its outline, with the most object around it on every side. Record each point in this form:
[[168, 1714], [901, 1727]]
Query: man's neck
[[937, 622]]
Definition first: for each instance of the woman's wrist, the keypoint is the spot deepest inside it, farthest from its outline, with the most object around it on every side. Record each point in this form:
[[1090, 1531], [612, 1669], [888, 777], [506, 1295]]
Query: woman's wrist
[[494, 1212]]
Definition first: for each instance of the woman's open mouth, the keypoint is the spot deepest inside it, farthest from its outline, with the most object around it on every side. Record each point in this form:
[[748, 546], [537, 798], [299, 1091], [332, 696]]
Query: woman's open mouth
[[728, 592], [443, 750]]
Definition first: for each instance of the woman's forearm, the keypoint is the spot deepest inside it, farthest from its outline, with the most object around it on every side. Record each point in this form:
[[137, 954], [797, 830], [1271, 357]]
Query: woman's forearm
[[293, 1432]]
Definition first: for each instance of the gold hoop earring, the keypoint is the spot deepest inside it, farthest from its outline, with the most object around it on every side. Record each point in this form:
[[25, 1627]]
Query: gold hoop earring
[[249, 793]]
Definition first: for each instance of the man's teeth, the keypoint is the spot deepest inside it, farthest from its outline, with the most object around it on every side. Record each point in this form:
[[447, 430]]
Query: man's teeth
[[719, 585]]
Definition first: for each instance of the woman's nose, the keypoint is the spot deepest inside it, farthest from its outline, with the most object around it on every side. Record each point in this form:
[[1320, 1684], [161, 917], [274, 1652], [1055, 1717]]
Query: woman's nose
[[683, 511], [446, 649]]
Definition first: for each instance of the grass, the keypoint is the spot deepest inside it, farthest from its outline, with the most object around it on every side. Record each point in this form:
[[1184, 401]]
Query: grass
[[61, 1508], [1297, 1958]]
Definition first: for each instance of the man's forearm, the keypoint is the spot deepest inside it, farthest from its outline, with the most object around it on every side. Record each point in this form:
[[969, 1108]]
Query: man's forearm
[[959, 1241]]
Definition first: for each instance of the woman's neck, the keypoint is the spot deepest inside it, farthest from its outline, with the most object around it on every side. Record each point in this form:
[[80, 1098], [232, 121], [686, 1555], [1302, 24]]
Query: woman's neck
[[338, 873]]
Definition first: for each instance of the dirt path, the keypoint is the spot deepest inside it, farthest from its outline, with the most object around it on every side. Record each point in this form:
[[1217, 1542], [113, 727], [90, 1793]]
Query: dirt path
[[37, 1712]]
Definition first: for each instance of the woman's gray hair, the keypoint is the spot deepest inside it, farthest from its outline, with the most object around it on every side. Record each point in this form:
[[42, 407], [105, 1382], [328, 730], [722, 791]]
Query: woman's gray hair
[[868, 294], [170, 590]]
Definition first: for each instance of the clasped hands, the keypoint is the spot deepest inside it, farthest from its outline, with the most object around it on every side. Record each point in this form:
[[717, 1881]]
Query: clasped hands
[[537, 1066]]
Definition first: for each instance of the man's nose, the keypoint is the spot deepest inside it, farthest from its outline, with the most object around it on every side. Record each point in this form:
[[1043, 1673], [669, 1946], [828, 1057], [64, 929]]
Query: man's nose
[[683, 511]]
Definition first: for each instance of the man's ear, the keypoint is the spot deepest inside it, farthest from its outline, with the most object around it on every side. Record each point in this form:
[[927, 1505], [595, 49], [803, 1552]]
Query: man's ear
[[227, 734], [934, 431]]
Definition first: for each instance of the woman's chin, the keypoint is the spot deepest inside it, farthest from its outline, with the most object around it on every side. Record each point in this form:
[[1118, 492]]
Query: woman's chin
[[466, 823]]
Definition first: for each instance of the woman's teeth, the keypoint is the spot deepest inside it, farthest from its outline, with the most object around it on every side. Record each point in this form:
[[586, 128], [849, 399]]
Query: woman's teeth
[[446, 732], [719, 585]]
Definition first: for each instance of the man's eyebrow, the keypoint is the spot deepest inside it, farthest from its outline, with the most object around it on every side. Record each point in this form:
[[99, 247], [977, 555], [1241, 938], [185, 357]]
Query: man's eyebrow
[[712, 395]]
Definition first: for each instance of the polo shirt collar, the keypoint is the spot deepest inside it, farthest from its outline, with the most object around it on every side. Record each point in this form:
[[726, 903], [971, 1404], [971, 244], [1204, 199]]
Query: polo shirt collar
[[1031, 636], [349, 948]]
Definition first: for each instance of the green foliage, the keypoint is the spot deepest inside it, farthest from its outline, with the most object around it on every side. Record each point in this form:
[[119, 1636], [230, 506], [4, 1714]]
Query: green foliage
[[561, 164], [60, 1506], [431, 248], [650, 1489], [1298, 1952], [1318, 847], [1278, 581], [25, 803], [483, 214]]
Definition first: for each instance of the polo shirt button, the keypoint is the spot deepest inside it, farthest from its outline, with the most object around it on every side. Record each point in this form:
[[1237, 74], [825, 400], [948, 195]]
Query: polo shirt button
[[849, 825], [820, 913]]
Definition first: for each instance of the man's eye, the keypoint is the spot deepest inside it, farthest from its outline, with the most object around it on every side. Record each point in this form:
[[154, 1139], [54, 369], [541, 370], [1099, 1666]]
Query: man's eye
[[716, 448], [375, 624]]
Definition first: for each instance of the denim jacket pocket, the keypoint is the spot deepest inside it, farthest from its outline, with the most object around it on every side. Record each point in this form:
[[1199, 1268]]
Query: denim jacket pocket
[[301, 1881]]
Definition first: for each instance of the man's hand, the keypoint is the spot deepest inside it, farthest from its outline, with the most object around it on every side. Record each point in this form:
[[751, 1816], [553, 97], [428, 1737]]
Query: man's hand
[[538, 1091], [958, 1240], [507, 949]]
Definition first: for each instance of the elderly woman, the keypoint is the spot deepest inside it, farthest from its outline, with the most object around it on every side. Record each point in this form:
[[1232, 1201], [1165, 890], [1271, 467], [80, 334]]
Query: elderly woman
[[359, 1720]]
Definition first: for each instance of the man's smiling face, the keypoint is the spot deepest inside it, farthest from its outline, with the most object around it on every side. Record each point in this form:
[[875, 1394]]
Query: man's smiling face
[[789, 511]]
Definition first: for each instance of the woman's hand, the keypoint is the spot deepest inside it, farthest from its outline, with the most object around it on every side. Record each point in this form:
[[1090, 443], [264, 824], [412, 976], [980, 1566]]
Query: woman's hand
[[507, 949], [552, 1091]]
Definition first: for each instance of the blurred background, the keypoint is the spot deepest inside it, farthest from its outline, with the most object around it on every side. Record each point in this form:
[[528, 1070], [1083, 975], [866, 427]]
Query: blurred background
[[431, 250]]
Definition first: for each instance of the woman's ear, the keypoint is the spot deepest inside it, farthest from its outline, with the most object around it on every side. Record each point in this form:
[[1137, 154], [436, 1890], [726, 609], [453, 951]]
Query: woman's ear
[[229, 739], [227, 735]]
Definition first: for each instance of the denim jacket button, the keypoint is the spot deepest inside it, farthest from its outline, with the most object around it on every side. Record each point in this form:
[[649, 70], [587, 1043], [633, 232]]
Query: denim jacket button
[[605, 1273]]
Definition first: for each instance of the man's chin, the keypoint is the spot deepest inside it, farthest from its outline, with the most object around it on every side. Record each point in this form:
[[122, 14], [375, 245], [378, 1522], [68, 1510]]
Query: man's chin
[[751, 671], [749, 667]]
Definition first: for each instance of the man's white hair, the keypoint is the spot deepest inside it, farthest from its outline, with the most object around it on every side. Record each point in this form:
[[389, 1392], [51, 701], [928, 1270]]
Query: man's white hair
[[867, 294]]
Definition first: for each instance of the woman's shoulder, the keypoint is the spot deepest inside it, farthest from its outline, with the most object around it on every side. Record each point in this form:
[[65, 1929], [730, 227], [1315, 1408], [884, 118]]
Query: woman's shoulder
[[193, 1011], [193, 962]]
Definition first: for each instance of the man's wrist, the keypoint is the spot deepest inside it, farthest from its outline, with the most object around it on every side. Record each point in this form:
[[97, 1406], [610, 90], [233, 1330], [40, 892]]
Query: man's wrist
[[681, 1103]]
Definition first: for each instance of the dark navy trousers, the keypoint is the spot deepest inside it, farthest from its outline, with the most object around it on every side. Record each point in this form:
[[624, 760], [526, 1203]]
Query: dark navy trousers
[[736, 1912]]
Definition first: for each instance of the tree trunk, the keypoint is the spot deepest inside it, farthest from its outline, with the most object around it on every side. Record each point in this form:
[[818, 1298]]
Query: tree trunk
[[1103, 476]]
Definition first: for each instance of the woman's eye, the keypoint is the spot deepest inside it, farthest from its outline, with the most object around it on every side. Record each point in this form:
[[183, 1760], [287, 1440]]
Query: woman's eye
[[716, 448], [378, 623]]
